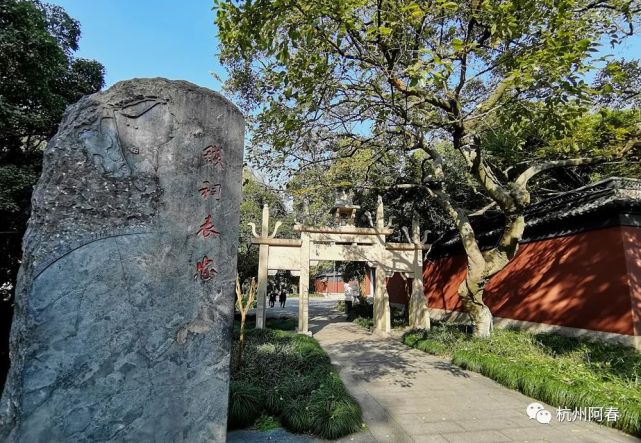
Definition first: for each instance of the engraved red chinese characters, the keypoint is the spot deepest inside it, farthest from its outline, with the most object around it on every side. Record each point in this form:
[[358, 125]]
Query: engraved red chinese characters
[[207, 190], [207, 229], [205, 269], [213, 154]]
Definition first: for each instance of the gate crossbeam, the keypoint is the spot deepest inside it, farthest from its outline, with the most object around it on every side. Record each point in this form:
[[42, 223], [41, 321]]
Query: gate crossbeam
[[343, 243]]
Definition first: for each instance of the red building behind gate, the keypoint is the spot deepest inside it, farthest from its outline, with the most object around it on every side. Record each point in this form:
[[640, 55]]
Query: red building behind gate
[[577, 271]]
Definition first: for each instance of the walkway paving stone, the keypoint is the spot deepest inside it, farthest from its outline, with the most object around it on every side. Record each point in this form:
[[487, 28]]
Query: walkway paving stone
[[410, 396]]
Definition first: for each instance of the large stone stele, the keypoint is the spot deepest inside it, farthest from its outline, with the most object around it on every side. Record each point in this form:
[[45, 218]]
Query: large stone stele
[[124, 302]]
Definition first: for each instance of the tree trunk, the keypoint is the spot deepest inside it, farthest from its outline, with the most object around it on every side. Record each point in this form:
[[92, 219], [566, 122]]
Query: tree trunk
[[241, 341], [483, 323], [242, 328], [471, 293], [244, 308]]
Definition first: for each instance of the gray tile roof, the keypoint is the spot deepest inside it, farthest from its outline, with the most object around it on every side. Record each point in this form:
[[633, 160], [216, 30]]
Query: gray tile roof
[[611, 201]]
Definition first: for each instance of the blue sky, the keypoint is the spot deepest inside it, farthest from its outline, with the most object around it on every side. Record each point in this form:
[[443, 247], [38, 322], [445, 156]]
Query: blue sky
[[159, 38]]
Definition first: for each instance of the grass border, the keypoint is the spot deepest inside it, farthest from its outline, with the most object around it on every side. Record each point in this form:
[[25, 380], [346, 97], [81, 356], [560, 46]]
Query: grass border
[[530, 381]]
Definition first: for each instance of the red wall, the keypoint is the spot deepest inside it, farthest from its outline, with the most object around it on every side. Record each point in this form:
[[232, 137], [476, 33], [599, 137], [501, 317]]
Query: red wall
[[632, 246], [366, 286], [399, 289], [441, 279], [328, 286], [590, 280], [338, 286]]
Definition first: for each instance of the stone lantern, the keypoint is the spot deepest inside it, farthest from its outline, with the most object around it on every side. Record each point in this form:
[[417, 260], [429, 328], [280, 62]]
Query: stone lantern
[[344, 210]]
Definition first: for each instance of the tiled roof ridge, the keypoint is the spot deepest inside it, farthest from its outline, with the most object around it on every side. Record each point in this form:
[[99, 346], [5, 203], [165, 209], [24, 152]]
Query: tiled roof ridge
[[613, 191]]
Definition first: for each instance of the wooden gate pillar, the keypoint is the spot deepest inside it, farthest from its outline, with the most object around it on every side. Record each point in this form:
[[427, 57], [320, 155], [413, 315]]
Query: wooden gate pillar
[[382, 316], [419, 316], [263, 258], [303, 286]]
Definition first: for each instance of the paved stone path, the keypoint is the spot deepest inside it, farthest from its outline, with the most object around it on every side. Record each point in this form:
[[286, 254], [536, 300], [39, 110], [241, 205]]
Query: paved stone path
[[410, 396]]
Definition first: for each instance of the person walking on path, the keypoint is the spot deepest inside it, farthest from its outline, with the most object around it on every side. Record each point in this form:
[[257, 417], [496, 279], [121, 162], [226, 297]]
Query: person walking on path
[[348, 297], [282, 298], [272, 299]]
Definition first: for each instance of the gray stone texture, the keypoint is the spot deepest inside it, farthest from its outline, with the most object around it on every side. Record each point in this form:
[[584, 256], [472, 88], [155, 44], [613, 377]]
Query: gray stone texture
[[118, 335]]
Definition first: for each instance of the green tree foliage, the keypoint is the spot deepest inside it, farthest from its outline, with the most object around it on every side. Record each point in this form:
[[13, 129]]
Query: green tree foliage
[[255, 195], [620, 84], [432, 81], [520, 136], [39, 77]]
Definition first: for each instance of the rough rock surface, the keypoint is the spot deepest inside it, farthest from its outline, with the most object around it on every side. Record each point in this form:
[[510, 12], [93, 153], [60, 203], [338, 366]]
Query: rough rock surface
[[124, 302]]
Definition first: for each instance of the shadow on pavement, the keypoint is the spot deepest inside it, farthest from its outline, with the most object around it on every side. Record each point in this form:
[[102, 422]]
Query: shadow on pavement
[[348, 342]]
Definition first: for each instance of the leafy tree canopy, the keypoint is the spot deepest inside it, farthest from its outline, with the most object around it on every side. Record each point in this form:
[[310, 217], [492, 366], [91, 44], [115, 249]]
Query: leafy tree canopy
[[39, 78], [485, 94], [329, 79], [39, 75], [255, 195], [364, 93]]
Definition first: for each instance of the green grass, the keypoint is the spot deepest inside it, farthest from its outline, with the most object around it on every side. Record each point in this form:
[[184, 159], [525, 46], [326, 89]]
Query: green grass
[[266, 423], [364, 322], [363, 315], [281, 323], [561, 371], [288, 377]]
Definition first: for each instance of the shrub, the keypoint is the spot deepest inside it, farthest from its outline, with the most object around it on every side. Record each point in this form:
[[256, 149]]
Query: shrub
[[334, 413], [364, 322], [361, 309], [245, 404], [292, 379], [297, 416], [363, 315], [400, 316]]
